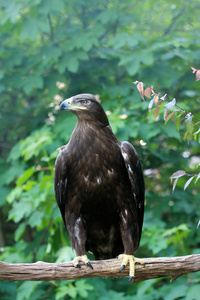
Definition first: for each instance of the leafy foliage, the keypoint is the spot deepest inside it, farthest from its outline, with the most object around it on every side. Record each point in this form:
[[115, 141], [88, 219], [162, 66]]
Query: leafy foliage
[[51, 50]]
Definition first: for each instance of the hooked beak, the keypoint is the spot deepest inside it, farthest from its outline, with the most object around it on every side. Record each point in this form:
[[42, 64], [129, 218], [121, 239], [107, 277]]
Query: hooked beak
[[68, 104]]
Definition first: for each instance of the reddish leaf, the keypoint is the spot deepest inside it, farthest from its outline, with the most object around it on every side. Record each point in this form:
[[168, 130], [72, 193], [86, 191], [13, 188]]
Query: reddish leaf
[[178, 174], [198, 75], [194, 70], [165, 114], [169, 117], [159, 102], [171, 104], [140, 89], [147, 92], [174, 185], [188, 182], [135, 82], [156, 112]]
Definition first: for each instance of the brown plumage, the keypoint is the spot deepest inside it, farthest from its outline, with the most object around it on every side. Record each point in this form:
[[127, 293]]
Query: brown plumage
[[99, 185]]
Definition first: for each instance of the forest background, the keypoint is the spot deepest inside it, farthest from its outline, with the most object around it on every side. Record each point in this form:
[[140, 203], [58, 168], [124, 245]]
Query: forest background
[[51, 50]]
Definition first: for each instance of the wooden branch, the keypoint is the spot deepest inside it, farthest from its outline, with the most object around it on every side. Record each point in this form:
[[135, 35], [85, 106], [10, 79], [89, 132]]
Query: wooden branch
[[174, 19], [153, 268]]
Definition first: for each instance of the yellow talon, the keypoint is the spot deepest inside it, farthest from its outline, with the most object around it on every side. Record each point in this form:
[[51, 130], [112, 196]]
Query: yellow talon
[[82, 258], [132, 261]]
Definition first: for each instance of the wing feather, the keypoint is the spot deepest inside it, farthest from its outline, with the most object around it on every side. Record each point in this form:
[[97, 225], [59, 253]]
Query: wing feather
[[136, 178], [60, 181]]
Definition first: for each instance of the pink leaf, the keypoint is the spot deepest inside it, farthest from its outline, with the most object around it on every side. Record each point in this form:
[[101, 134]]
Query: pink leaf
[[194, 70], [147, 92], [140, 89], [165, 114], [198, 75], [174, 185], [178, 174], [169, 117]]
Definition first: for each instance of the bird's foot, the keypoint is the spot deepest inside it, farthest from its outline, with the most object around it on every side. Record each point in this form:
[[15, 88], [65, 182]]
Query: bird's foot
[[132, 261], [82, 258]]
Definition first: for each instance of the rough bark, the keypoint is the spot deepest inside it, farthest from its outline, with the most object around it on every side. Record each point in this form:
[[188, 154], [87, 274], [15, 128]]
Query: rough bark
[[153, 268]]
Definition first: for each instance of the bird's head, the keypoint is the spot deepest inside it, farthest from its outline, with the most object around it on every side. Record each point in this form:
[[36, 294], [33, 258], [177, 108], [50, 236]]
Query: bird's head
[[86, 107]]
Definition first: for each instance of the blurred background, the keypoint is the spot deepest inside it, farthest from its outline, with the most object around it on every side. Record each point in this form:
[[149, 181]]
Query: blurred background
[[51, 50]]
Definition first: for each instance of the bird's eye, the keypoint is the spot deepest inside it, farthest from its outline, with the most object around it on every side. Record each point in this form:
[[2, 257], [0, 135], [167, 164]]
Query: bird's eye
[[84, 101]]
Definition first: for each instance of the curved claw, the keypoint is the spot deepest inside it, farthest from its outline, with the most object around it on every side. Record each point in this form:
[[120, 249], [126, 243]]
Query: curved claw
[[76, 261], [132, 261], [89, 264], [122, 268], [132, 277]]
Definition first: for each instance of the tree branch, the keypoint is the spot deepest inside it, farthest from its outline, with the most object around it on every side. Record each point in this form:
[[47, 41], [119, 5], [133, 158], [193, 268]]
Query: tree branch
[[51, 27], [153, 268], [174, 19]]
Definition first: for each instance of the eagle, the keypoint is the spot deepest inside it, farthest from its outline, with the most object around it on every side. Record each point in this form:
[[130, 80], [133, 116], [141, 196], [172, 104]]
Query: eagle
[[99, 187]]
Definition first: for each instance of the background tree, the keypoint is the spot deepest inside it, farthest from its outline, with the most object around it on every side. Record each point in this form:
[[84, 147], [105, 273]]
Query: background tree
[[51, 50]]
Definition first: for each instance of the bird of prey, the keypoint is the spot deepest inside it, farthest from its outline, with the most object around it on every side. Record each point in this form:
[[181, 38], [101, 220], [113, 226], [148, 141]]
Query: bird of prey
[[99, 187]]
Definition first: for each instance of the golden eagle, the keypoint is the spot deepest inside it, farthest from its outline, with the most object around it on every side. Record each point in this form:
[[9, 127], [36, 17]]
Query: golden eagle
[[99, 187]]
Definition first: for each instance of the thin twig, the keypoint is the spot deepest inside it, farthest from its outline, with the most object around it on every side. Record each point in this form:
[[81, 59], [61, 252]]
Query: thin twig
[[174, 19], [177, 106], [51, 27]]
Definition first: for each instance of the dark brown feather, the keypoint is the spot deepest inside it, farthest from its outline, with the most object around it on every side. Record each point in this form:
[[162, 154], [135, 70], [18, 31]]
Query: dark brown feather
[[99, 188]]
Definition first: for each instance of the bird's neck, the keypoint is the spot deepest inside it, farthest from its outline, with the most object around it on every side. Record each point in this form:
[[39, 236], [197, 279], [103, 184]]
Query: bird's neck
[[86, 132]]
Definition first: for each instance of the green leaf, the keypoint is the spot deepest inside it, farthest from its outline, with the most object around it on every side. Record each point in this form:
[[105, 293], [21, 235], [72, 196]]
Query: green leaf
[[20, 230], [170, 131], [148, 131], [146, 57], [189, 126], [83, 287], [32, 28], [193, 291], [195, 134], [176, 292], [14, 194], [24, 177], [11, 11], [26, 289], [19, 211], [36, 218], [69, 62], [178, 120], [51, 6]]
